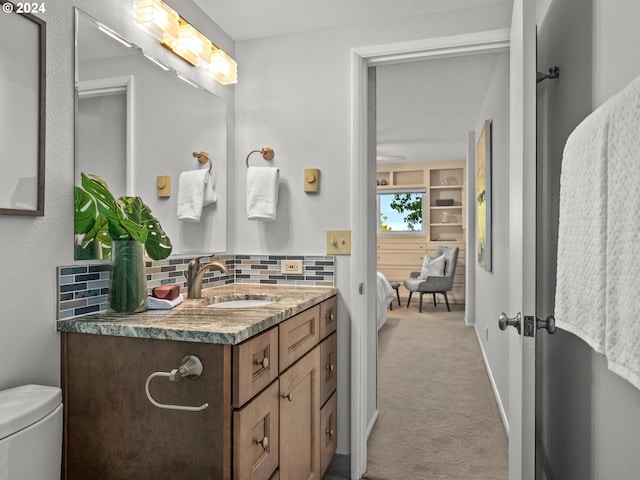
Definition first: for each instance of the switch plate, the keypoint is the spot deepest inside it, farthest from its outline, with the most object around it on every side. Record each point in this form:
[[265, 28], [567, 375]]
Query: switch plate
[[338, 242], [291, 266], [163, 185]]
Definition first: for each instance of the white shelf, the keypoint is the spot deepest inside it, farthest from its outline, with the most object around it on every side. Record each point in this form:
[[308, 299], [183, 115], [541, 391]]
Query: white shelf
[[445, 224], [441, 207], [446, 187]]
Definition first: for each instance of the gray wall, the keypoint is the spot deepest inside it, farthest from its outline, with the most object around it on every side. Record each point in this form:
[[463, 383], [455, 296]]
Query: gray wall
[[490, 287], [588, 418]]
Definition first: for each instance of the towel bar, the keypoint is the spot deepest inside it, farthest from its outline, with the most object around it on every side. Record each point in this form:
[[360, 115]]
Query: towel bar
[[266, 152], [203, 157]]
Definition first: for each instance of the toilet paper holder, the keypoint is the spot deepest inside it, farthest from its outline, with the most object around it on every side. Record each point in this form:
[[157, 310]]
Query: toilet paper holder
[[191, 367]]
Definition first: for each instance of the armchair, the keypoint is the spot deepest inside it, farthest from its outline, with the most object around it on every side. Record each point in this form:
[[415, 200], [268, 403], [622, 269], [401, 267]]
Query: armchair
[[435, 284]]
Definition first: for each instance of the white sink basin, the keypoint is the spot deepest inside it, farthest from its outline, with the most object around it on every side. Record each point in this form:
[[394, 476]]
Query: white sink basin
[[241, 301]]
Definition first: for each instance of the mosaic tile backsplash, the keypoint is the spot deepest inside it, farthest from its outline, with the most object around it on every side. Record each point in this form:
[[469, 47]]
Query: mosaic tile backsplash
[[84, 289]]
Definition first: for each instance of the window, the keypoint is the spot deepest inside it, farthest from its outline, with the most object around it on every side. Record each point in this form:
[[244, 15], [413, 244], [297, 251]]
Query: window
[[401, 212]]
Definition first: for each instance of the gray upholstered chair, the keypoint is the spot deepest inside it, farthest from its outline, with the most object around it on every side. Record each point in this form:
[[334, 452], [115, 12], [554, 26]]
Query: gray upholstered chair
[[435, 285]]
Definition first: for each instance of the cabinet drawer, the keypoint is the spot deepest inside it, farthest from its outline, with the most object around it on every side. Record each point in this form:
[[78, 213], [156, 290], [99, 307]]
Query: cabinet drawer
[[255, 365], [328, 435], [256, 436], [298, 335], [328, 365], [328, 316]]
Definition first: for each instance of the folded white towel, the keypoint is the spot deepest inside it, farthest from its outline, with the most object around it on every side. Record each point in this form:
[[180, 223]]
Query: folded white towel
[[582, 232], [195, 190], [623, 235], [262, 192], [154, 303]]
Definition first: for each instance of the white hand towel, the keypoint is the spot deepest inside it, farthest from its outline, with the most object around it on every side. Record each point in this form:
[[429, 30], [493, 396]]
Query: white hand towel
[[262, 192], [191, 192], [154, 303], [210, 190], [623, 236], [582, 232]]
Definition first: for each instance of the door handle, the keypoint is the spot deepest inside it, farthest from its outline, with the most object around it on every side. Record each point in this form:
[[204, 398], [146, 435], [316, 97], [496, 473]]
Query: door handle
[[504, 321], [549, 324]]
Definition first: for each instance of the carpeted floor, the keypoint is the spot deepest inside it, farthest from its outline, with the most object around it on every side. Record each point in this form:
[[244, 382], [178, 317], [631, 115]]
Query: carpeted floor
[[438, 418]]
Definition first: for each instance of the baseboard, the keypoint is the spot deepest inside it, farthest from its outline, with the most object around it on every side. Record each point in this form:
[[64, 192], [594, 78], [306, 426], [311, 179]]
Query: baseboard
[[372, 423], [496, 394], [340, 466]]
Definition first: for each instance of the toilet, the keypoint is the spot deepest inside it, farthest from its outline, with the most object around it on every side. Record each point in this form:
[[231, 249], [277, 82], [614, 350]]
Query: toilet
[[30, 433]]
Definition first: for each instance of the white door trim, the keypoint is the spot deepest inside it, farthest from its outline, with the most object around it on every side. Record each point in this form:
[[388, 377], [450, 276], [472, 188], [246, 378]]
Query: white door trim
[[361, 258]]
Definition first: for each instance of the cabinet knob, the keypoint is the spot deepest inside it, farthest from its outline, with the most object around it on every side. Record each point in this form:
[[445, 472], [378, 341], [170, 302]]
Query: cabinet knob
[[329, 316], [288, 396], [329, 432], [330, 367], [264, 362], [264, 442]]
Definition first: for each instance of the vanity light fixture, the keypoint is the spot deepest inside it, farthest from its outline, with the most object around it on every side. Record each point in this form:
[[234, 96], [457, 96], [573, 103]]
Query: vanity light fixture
[[172, 31], [110, 33], [185, 79], [223, 68], [157, 19]]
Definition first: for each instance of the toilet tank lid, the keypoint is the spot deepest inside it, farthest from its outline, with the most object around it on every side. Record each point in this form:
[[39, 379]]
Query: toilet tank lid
[[23, 406]]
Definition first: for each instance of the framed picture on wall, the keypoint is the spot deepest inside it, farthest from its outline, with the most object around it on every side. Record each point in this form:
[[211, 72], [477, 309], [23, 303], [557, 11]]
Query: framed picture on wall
[[22, 97], [483, 196]]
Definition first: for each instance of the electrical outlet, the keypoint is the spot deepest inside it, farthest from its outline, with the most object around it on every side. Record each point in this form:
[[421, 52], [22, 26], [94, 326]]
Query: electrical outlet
[[291, 266]]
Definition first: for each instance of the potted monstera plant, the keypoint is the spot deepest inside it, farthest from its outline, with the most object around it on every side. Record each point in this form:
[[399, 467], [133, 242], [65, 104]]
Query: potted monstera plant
[[126, 228]]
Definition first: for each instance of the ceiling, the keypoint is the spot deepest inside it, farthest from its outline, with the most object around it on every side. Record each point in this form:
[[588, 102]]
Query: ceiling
[[251, 19]]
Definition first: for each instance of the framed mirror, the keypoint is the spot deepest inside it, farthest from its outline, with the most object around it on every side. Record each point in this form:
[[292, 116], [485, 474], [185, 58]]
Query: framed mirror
[[138, 123], [22, 116]]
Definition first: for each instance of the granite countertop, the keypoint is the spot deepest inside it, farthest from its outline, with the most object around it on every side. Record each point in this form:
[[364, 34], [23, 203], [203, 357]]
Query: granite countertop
[[194, 321]]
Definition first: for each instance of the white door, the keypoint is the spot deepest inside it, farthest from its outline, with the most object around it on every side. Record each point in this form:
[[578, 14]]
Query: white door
[[522, 240]]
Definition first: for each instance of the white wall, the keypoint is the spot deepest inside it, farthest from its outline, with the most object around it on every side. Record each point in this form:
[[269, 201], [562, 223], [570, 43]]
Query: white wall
[[295, 96], [491, 286], [33, 247]]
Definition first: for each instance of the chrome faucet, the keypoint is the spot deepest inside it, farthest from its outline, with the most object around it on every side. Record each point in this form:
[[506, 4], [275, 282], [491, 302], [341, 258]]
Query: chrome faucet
[[195, 273]]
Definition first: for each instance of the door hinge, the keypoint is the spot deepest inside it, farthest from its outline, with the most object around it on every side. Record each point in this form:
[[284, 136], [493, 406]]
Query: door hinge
[[529, 326]]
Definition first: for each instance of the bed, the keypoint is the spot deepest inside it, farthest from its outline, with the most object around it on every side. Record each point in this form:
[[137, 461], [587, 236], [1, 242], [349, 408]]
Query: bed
[[384, 298]]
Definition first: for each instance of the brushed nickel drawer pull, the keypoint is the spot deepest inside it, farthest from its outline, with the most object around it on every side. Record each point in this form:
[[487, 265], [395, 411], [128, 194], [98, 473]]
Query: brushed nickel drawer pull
[[330, 367], [264, 442], [329, 432], [329, 316], [288, 396], [264, 362]]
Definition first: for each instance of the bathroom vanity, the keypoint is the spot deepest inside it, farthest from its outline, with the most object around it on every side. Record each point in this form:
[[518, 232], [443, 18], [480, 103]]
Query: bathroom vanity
[[268, 379]]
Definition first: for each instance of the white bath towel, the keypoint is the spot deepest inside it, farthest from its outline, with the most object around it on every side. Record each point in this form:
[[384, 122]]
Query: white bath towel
[[262, 192], [162, 304], [196, 189], [623, 236], [582, 232]]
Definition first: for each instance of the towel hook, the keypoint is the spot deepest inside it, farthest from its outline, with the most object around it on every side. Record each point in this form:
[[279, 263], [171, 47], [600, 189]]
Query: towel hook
[[266, 152], [203, 157]]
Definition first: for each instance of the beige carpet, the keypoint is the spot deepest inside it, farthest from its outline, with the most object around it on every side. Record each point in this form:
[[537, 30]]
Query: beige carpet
[[438, 418]]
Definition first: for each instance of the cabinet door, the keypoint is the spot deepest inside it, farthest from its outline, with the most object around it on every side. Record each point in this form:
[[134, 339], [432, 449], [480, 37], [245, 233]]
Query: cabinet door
[[300, 419], [328, 364], [298, 335], [328, 317], [328, 435], [256, 437], [255, 365]]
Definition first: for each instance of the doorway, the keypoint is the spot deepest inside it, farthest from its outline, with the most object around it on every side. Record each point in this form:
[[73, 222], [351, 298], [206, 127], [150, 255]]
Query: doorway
[[424, 111], [364, 334]]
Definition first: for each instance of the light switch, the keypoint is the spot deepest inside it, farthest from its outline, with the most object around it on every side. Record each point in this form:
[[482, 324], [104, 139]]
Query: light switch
[[338, 242], [311, 180], [163, 185]]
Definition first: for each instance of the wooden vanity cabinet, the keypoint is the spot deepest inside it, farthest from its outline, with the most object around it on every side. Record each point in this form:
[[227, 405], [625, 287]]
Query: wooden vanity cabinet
[[268, 417]]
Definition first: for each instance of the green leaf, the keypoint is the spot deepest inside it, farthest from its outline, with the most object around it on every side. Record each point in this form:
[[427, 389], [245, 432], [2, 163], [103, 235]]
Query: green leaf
[[85, 211], [158, 245]]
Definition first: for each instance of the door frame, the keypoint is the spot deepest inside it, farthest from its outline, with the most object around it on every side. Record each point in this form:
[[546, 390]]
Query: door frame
[[363, 256]]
